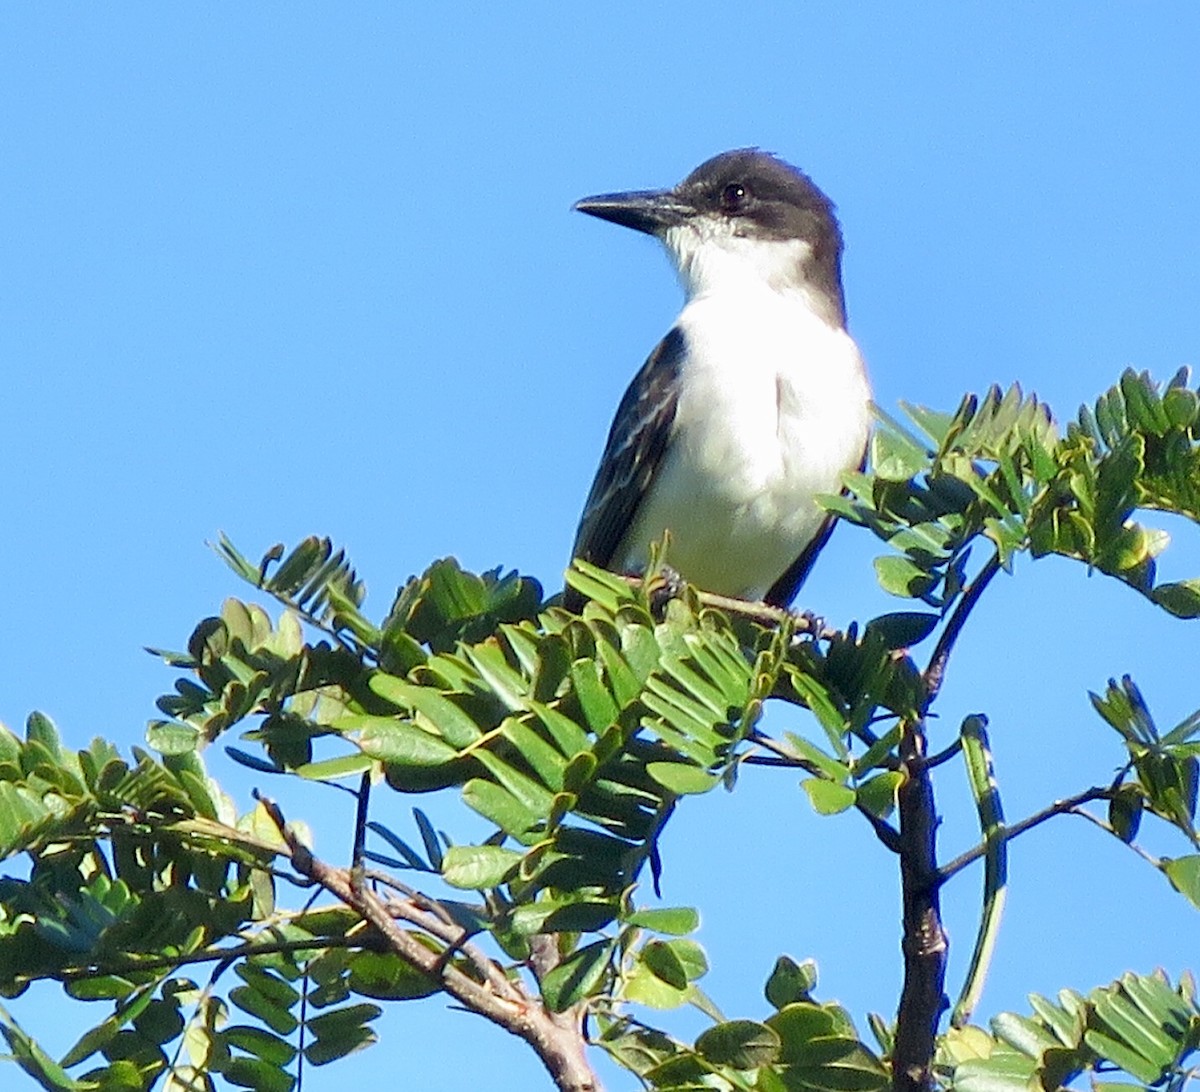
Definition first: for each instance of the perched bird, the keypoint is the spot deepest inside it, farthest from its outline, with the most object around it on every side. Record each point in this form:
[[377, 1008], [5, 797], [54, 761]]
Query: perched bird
[[754, 403]]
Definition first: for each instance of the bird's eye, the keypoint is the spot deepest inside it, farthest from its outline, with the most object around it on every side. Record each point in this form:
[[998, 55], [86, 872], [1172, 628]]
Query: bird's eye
[[734, 196]]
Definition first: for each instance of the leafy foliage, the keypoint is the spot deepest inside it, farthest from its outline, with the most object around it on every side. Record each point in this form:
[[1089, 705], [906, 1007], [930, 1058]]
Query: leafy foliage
[[999, 470], [576, 738], [1139, 1024]]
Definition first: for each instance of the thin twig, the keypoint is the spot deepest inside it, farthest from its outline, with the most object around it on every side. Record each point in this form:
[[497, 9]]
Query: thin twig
[[1083, 813], [943, 756], [1060, 807], [782, 755], [783, 751], [770, 760], [360, 820], [419, 899], [136, 964], [936, 671]]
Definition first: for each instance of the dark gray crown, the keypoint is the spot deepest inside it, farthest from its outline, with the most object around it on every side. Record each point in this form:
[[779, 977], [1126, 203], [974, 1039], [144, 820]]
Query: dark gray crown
[[753, 185]]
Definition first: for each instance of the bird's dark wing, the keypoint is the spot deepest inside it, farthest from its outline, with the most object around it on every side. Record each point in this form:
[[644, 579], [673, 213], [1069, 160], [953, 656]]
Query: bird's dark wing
[[783, 591], [636, 443]]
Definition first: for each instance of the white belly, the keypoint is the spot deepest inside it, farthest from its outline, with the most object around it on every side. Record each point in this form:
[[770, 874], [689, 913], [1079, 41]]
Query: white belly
[[774, 407]]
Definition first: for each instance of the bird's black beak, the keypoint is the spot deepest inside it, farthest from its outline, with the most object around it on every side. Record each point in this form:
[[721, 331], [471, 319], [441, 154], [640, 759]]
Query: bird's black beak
[[651, 211]]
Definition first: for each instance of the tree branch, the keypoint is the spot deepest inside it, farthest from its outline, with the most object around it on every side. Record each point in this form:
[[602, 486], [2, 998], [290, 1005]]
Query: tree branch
[[1067, 806], [924, 943], [936, 671], [556, 1038]]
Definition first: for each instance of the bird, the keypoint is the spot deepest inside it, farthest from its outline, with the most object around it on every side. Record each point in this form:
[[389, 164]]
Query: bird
[[755, 402]]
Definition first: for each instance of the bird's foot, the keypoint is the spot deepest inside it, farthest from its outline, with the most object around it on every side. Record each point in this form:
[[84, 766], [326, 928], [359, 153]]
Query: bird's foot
[[666, 585], [813, 625]]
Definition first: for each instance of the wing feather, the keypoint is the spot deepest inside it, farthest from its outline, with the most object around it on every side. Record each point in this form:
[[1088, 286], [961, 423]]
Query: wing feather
[[636, 444]]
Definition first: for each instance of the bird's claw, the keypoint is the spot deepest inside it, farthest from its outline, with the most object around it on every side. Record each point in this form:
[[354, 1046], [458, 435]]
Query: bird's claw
[[809, 623], [666, 585]]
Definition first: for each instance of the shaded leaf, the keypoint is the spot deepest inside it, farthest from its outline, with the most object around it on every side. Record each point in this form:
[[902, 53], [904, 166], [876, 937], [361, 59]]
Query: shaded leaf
[[478, 867], [741, 1044]]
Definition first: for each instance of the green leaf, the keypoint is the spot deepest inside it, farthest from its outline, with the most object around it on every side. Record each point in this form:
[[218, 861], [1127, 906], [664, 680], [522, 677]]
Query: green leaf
[[1142, 1033], [1119, 1053], [1125, 809], [790, 981], [878, 794], [275, 1016], [665, 964], [1184, 874], [336, 1022], [253, 762], [410, 856], [103, 1033], [259, 1075], [524, 788], [452, 722], [1181, 599], [496, 803], [741, 1044], [102, 988], [396, 741], [386, 977], [41, 729], [599, 709], [543, 757], [1181, 406], [171, 737], [682, 777], [607, 589], [643, 986], [351, 1040], [800, 1022], [262, 1044], [35, 1061], [478, 867], [577, 976], [429, 838], [933, 422], [828, 797], [332, 768], [675, 920], [1023, 1033], [269, 984], [897, 575], [691, 957], [896, 457], [902, 629]]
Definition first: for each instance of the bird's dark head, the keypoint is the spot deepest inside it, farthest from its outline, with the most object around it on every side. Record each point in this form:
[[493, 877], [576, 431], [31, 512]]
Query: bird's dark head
[[743, 212]]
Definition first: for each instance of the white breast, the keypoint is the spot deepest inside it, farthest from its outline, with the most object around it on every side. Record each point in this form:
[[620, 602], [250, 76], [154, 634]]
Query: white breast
[[773, 408]]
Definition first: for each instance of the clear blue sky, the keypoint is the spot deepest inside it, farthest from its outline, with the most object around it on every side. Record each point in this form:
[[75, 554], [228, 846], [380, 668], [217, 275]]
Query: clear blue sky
[[281, 269]]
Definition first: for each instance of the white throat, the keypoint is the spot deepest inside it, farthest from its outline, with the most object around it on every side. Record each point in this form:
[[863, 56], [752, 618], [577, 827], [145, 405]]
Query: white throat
[[711, 258]]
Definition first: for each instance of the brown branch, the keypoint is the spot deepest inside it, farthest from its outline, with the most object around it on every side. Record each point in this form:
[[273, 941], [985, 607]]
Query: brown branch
[[924, 943], [556, 1038], [754, 610]]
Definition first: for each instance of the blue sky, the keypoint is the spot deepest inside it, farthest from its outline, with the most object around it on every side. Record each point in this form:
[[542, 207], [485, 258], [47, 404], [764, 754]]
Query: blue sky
[[288, 269]]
